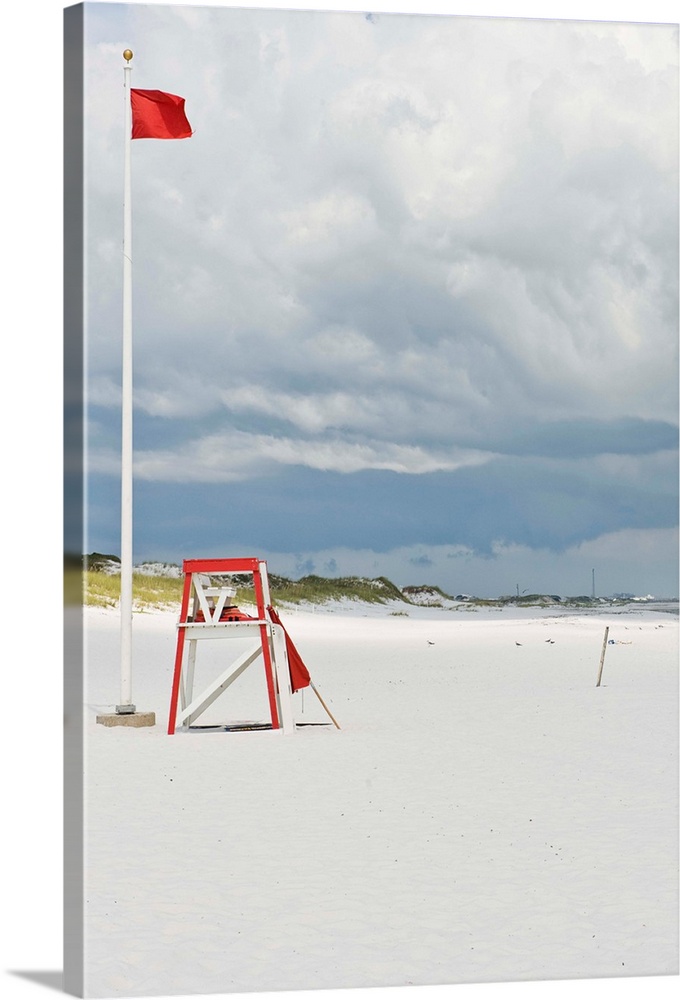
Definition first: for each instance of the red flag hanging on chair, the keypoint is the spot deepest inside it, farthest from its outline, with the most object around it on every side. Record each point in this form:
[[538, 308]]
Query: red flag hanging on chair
[[299, 675]]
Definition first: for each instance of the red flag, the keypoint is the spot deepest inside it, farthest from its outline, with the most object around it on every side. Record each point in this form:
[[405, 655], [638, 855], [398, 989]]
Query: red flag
[[157, 115], [299, 675]]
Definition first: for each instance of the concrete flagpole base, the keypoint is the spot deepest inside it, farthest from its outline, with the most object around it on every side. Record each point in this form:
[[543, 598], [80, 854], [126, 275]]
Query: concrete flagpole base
[[133, 718]]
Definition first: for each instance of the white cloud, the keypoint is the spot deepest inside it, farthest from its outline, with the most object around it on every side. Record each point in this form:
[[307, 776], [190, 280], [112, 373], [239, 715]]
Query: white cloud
[[323, 225], [236, 456], [485, 202]]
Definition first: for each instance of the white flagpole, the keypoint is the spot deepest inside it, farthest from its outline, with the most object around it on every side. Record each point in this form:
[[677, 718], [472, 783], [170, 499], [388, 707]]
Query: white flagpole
[[126, 707]]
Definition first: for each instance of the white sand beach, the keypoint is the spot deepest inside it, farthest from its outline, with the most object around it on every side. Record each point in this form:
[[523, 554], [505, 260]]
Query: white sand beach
[[484, 814]]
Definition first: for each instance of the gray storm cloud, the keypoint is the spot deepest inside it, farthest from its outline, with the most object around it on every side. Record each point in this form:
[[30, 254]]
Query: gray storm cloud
[[401, 243]]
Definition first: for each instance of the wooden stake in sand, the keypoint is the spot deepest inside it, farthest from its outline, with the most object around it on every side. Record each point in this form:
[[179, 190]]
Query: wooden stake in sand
[[324, 704], [604, 650]]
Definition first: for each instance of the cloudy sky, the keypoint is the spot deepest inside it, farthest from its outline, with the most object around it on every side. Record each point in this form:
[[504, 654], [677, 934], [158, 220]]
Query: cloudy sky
[[405, 304]]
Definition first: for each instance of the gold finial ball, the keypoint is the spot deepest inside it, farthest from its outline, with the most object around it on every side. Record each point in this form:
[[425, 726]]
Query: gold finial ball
[[127, 55]]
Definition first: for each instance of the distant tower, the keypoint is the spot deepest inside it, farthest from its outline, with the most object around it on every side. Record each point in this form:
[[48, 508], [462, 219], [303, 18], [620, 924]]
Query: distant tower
[[593, 584]]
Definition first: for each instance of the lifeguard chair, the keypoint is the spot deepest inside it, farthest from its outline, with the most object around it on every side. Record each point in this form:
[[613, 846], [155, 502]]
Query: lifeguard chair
[[207, 612]]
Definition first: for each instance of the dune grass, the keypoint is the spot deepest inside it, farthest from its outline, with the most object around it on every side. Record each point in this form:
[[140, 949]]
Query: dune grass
[[319, 590], [96, 588]]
